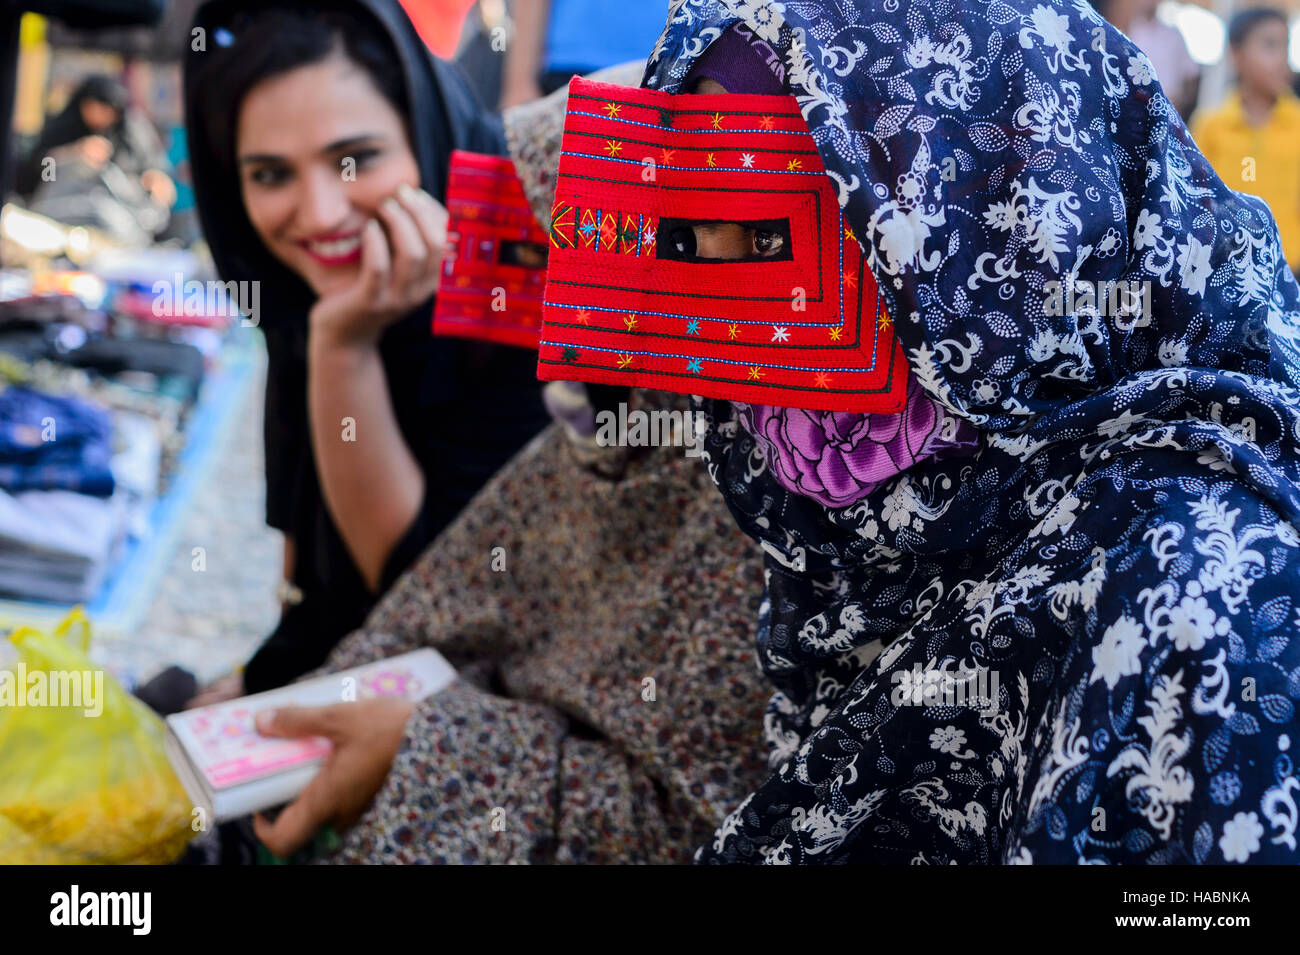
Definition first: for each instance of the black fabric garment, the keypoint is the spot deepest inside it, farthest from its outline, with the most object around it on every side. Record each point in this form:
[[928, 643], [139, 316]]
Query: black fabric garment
[[607, 397], [552, 80], [97, 14], [9, 19], [27, 344], [169, 691], [463, 408], [178, 363]]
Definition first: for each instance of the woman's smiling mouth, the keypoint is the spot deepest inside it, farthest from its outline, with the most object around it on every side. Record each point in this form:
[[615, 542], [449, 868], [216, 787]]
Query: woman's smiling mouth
[[334, 249]]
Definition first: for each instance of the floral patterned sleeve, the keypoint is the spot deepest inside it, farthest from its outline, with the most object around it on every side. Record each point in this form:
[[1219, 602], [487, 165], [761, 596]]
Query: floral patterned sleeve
[[485, 779]]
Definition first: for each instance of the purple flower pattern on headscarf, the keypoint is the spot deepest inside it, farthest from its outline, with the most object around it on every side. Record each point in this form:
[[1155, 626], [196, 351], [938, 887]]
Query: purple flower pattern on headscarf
[[837, 457]]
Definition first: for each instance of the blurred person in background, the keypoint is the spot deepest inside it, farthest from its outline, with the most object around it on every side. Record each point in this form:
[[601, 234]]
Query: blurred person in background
[[1251, 138], [1164, 46], [75, 13], [320, 136], [99, 162], [483, 42], [98, 122], [555, 40]]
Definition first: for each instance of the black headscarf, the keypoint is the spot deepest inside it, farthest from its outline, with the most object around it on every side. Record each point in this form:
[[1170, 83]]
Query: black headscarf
[[463, 408], [69, 125]]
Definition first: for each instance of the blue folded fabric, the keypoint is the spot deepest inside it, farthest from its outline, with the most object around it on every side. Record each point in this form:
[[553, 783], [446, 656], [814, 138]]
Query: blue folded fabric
[[52, 443]]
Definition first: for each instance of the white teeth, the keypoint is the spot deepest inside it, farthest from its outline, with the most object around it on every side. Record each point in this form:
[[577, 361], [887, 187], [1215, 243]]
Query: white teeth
[[335, 249]]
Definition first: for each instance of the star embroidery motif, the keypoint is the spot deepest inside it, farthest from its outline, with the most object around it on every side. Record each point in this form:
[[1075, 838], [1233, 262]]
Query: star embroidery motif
[[780, 334], [733, 331], [613, 147], [693, 327], [613, 109], [624, 360], [766, 122], [584, 316], [717, 120], [793, 165], [850, 280], [755, 374], [666, 155], [693, 365], [884, 321], [710, 160], [836, 333], [570, 354], [747, 160], [848, 234], [821, 380], [665, 117], [630, 322]]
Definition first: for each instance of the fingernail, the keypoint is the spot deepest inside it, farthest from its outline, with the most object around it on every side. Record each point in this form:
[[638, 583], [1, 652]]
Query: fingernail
[[264, 720], [407, 192], [391, 205]]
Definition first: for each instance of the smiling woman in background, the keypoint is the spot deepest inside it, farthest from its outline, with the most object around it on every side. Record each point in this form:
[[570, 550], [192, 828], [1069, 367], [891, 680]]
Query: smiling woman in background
[[606, 708], [321, 135]]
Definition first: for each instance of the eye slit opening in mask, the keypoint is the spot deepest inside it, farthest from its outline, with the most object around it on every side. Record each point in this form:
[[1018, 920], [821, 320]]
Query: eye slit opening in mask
[[718, 241], [528, 255]]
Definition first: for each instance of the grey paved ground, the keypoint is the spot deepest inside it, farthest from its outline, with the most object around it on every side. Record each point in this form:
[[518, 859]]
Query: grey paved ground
[[211, 620]]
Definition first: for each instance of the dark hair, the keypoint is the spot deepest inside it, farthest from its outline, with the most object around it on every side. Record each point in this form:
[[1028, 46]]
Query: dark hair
[[255, 45], [102, 89], [1243, 24]]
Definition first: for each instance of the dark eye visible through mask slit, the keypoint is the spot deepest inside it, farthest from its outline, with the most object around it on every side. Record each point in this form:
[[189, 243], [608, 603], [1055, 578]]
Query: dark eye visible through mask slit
[[715, 241], [529, 255]]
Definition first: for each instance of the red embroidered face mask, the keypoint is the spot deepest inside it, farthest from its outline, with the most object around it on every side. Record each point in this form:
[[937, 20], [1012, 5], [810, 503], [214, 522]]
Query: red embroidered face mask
[[493, 277], [697, 247]]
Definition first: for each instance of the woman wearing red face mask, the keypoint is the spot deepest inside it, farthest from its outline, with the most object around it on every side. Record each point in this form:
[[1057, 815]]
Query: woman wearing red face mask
[[320, 136]]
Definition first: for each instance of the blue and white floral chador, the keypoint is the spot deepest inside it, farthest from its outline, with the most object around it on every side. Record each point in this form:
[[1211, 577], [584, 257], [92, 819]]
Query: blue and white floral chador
[[1119, 564]]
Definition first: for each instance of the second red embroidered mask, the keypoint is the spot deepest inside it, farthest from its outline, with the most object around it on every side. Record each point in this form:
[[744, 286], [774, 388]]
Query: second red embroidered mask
[[492, 281]]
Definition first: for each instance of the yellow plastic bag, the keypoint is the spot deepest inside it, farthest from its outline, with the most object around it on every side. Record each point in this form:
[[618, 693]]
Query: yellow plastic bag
[[83, 777]]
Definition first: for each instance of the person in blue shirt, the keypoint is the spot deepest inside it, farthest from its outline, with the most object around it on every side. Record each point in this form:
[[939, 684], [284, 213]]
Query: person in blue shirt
[[555, 40]]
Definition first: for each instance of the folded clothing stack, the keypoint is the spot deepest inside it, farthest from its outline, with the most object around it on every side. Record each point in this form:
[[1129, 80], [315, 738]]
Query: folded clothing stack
[[165, 412], [58, 545], [73, 485], [53, 443]]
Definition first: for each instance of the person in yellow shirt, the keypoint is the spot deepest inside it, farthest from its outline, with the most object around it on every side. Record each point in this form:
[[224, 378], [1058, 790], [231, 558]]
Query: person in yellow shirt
[[1253, 138]]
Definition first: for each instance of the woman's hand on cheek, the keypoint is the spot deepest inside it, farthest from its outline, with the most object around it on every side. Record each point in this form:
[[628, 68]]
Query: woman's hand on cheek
[[401, 262], [365, 735]]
